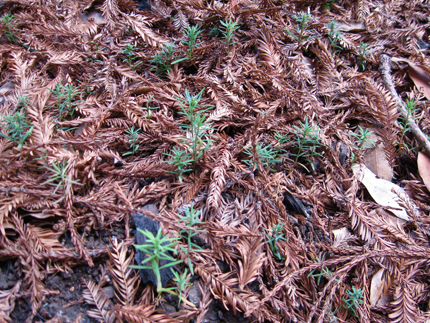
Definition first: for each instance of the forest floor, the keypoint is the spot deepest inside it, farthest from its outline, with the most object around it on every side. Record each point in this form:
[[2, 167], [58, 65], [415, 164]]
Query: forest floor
[[273, 154]]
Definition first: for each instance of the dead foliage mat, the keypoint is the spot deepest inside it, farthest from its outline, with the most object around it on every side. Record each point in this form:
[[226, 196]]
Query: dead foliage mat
[[241, 142]]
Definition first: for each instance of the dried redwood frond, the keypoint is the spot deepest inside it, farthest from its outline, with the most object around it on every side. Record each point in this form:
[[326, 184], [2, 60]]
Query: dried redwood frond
[[119, 267], [93, 295]]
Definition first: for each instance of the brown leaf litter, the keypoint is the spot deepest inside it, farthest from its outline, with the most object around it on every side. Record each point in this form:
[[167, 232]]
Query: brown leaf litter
[[92, 113]]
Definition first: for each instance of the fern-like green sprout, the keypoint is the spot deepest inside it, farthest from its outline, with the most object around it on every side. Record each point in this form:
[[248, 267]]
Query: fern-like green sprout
[[362, 141], [66, 99], [308, 142], [303, 19], [362, 56], [354, 300], [60, 176], [163, 60], [133, 133], [157, 248], [130, 56], [266, 155], [405, 123], [334, 36], [182, 160], [198, 141], [17, 124], [229, 31], [275, 234], [191, 220], [9, 20], [160, 248], [192, 34]]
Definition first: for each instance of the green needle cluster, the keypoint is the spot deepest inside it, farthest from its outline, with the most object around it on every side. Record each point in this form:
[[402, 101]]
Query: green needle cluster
[[17, 125], [163, 60], [229, 29], [66, 99], [192, 33], [197, 139], [275, 234], [130, 56], [133, 135]]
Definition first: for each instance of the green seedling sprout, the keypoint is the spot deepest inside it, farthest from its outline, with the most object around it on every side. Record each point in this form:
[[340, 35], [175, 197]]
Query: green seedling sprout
[[334, 36], [8, 20], [130, 56], [191, 220], [149, 108], [303, 19], [60, 176], [17, 124], [308, 142], [354, 300], [163, 59], [266, 155], [273, 237], [229, 30], [362, 141], [192, 33], [198, 128], [159, 248], [362, 56], [405, 123], [182, 160], [66, 99], [133, 133]]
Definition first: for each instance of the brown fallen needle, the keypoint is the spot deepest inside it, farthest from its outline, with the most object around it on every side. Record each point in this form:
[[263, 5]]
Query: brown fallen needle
[[385, 69]]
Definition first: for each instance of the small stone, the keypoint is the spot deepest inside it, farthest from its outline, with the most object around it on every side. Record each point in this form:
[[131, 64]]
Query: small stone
[[166, 309], [109, 292], [195, 295]]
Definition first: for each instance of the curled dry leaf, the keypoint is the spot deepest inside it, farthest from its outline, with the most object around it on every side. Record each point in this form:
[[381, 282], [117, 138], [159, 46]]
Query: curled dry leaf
[[424, 168], [420, 74], [375, 158], [376, 287], [382, 191]]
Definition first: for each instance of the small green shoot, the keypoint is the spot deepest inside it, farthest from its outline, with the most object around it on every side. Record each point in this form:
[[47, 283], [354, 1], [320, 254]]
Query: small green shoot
[[229, 32], [198, 141], [362, 56], [363, 139], [8, 20], [17, 124], [334, 36], [149, 108], [66, 99], [192, 33], [304, 20], [61, 176], [308, 142], [133, 133], [183, 282], [158, 248], [182, 160], [354, 300], [163, 59], [325, 272], [214, 32], [130, 56], [266, 155], [190, 219], [274, 236]]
